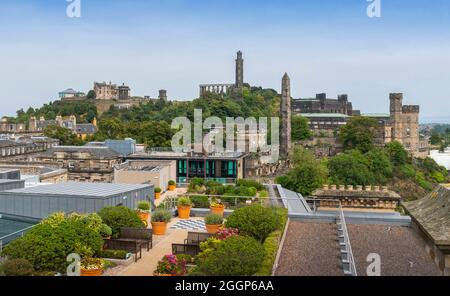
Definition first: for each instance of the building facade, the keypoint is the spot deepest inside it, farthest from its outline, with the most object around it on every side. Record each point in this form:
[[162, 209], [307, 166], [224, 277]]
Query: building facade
[[322, 104]]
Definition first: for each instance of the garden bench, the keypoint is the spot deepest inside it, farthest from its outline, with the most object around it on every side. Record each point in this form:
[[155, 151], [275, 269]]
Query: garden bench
[[134, 246], [185, 249], [142, 235], [195, 238]]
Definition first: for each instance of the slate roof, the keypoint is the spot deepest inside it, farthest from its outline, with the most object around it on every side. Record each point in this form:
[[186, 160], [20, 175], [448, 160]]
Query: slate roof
[[86, 128], [96, 152]]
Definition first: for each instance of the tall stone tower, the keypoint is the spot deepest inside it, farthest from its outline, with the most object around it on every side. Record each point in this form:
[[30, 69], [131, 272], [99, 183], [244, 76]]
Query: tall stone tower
[[396, 106], [286, 114], [239, 70]]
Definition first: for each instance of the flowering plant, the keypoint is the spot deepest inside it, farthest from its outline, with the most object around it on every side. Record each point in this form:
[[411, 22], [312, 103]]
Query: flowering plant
[[170, 264], [91, 263], [217, 204], [226, 233]]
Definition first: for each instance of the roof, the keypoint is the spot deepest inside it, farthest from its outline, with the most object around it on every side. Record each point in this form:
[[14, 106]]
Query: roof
[[8, 181], [325, 115], [70, 91], [432, 213], [95, 151], [93, 190], [7, 143], [86, 128], [376, 115]]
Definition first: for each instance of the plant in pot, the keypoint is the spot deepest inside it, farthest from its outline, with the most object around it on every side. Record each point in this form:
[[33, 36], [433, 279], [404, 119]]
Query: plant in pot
[[172, 185], [171, 265], [213, 223], [91, 266], [160, 218], [217, 207], [143, 210], [105, 231], [158, 192], [184, 205]]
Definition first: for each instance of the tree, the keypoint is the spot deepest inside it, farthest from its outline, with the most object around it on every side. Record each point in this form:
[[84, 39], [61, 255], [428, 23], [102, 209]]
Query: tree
[[351, 168], [359, 133], [91, 95], [64, 135], [300, 128], [380, 165], [397, 153], [435, 139], [110, 128], [307, 175]]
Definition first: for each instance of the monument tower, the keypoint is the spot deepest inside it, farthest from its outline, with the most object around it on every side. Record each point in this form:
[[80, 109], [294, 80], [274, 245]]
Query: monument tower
[[286, 114], [239, 70]]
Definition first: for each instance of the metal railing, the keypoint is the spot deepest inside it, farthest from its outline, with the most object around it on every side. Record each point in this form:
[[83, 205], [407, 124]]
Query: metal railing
[[346, 245], [10, 237]]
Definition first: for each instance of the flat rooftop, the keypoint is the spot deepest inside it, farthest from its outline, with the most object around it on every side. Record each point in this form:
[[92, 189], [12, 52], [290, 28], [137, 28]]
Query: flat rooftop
[[95, 190]]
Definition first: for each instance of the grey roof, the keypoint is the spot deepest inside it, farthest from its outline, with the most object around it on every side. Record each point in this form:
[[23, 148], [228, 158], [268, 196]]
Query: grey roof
[[95, 151], [324, 115], [8, 181], [7, 143], [95, 190], [86, 128], [294, 201], [70, 91]]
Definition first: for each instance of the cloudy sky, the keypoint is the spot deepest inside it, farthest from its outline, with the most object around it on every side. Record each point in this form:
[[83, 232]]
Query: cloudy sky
[[325, 45]]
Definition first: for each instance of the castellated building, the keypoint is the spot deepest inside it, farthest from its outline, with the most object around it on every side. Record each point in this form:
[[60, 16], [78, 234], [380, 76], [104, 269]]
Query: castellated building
[[109, 91]]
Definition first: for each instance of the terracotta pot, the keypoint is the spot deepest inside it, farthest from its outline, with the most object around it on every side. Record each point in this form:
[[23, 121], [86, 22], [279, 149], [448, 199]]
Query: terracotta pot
[[91, 272], [184, 212], [159, 228], [157, 195], [217, 211], [159, 274], [144, 216], [213, 229], [172, 187]]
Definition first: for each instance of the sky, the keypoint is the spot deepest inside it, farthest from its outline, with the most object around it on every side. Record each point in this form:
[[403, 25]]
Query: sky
[[328, 46]]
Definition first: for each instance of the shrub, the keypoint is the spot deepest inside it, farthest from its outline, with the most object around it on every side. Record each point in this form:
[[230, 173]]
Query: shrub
[[158, 190], [236, 256], [47, 245], [18, 267], [420, 178], [200, 202], [184, 202], [171, 265], [264, 194], [118, 217], [250, 183], [114, 254], [270, 246], [144, 206], [407, 170], [105, 230], [213, 219], [256, 221], [226, 233], [172, 182], [438, 177], [161, 216]]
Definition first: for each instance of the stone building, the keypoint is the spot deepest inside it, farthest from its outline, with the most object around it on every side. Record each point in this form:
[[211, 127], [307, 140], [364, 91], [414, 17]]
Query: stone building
[[84, 164], [285, 112], [322, 104], [162, 95], [222, 89], [24, 146], [109, 91], [10, 127], [82, 130]]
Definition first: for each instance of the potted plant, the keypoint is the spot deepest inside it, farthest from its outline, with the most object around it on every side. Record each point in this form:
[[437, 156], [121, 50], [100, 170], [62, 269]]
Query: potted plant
[[184, 205], [157, 192], [91, 267], [160, 218], [217, 207], [172, 185], [105, 231], [170, 265], [213, 223], [143, 210]]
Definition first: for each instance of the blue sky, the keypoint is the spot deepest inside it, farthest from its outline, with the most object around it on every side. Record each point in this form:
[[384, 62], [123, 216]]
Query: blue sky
[[325, 45]]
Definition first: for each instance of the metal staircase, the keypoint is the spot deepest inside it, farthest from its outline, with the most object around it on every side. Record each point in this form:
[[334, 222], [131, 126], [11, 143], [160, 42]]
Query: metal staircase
[[348, 261]]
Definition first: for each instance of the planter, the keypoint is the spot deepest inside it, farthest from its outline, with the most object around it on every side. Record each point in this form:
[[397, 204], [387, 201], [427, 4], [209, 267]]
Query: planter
[[157, 195], [91, 272], [218, 210], [144, 216], [172, 187], [213, 229], [158, 274], [159, 228], [184, 212]]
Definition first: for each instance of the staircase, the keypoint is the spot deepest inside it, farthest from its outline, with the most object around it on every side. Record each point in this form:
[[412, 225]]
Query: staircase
[[348, 261]]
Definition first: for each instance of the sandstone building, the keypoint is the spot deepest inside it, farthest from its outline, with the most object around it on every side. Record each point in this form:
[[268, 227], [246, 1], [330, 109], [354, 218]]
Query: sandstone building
[[109, 91]]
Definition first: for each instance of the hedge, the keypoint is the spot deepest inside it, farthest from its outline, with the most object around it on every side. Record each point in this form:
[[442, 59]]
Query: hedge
[[270, 246]]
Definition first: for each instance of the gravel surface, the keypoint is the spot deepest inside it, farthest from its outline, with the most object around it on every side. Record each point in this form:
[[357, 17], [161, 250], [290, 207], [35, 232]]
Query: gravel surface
[[401, 250], [310, 249]]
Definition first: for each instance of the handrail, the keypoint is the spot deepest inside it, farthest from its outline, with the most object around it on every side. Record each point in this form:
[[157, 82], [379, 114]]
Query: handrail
[[351, 259], [21, 232]]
